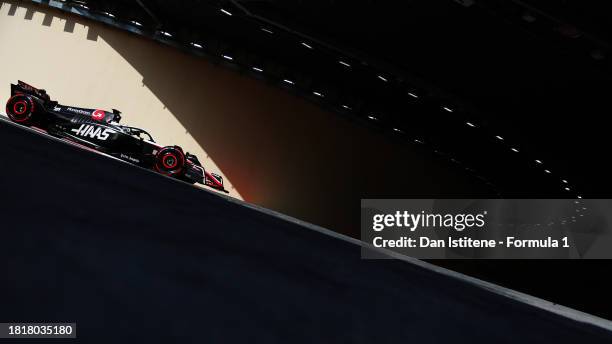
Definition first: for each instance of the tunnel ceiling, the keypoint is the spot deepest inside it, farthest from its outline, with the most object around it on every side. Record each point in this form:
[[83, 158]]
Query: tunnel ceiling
[[515, 91]]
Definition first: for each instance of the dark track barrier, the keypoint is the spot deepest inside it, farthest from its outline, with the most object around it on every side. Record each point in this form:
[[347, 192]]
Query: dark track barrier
[[132, 256]]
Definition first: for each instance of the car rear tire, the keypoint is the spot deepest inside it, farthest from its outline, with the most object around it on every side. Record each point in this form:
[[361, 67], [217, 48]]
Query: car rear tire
[[170, 161], [21, 109]]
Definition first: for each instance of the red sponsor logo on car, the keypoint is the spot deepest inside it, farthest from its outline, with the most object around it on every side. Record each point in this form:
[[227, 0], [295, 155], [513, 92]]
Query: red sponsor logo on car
[[98, 115]]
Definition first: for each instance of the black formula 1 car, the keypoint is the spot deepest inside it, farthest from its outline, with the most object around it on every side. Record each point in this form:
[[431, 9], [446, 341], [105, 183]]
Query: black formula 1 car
[[100, 130]]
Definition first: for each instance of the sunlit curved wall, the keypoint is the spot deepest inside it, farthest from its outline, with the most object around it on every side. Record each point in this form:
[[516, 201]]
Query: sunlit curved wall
[[273, 148], [75, 61]]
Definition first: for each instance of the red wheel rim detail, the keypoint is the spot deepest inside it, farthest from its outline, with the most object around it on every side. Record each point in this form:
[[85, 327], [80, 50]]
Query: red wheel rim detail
[[23, 109], [172, 164], [17, 115], [169, 161]]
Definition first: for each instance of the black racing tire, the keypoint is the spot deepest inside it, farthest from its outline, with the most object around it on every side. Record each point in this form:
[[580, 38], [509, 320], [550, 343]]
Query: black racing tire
[[21, 109], [170, 161]]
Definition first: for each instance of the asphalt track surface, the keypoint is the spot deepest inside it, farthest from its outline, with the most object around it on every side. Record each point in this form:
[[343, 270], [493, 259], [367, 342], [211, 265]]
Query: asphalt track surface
[[132, 256]]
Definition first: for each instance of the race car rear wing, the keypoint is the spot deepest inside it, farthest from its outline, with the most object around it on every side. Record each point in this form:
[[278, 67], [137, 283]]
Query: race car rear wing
[[24, 88]]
